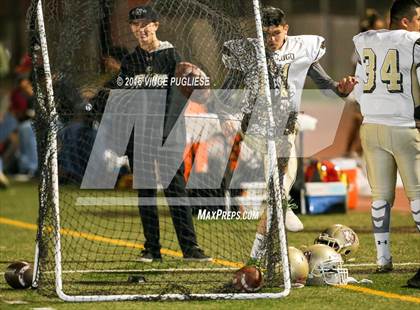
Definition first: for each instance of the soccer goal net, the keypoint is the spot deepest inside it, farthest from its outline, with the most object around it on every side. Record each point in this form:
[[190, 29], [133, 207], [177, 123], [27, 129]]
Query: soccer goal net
[[143, 194]]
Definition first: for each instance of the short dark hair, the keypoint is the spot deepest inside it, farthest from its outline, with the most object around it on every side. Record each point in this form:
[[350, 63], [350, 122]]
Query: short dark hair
[[273, 17], [403, 9]]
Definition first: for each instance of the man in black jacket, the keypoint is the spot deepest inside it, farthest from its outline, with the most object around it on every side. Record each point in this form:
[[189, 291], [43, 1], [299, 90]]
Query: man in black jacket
[[158, 59]]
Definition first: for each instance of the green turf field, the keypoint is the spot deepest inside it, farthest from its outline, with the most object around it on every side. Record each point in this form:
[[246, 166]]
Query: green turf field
[[19, 204]]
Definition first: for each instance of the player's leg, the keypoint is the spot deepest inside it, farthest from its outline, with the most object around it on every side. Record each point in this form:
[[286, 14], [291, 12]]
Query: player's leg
[[407, 154], [382, 172], [147, 206], [292, 222], [181, 213], [150, 222], [406, 142], [257, 250]]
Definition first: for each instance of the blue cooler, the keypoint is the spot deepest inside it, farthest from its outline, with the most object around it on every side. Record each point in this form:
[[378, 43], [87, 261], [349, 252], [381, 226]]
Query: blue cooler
[[326, 197]]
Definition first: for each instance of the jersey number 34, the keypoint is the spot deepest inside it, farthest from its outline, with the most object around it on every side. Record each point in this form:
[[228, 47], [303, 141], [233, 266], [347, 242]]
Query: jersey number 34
[[390, 71]]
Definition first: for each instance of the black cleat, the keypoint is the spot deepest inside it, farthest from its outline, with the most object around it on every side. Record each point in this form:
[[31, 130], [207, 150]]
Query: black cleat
[[415, 280], [149, 257], [197, 255], [388, 267]]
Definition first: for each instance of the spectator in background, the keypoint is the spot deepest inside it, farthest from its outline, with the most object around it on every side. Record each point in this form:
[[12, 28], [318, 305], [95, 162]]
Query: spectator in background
[[24, 66], [76, 137], [22, 108], [112, 59], [8, 137], [17, 138], [79, 110], [372, 21], [7, 123], [112, 63]]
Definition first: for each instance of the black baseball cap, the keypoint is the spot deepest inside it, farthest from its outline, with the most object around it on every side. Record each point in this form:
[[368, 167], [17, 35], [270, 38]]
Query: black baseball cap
[[142, 12]]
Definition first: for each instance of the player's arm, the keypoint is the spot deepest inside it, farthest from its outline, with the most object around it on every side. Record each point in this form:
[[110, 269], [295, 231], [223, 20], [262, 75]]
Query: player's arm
[[233, 58], [226, 94], [316, 49], [325, 82]]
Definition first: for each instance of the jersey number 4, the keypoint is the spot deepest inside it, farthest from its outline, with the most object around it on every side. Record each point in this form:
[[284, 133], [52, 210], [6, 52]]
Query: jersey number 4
[[390, 71]]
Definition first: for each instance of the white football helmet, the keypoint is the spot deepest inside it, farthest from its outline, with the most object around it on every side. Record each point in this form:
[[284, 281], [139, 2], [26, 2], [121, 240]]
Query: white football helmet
[[325, 266], [341, 238], [299, 267]]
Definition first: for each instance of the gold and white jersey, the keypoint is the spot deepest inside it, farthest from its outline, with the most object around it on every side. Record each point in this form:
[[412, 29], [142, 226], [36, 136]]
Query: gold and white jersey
[[287, 69], [388, 73]]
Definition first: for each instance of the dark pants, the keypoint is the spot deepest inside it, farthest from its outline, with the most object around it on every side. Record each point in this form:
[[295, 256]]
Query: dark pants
[[180, 213]]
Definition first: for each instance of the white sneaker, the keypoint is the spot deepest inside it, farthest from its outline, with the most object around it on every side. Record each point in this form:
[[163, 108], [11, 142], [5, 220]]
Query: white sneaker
[[293, 223]]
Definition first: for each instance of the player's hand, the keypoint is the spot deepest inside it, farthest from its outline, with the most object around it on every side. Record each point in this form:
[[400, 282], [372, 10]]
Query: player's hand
[[346, 85]]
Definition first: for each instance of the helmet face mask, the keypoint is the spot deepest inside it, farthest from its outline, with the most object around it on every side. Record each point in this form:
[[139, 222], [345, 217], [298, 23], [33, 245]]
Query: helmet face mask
[[341, 238], [331, 242], [333, 273], [325, 266]]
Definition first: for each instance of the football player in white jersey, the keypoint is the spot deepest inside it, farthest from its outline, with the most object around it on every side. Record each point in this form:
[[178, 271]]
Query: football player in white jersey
[[290, 59], [389, 96]]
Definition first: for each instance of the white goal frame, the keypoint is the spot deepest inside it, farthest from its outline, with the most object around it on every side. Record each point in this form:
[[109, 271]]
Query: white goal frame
[[53, 166]]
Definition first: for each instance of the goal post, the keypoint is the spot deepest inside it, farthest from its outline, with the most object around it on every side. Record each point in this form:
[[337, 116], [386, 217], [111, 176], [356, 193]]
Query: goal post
[[90, 237]]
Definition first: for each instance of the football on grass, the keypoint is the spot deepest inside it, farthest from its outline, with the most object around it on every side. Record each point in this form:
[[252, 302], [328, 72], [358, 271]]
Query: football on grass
[[189, 77], [19, 275], [248, 279]]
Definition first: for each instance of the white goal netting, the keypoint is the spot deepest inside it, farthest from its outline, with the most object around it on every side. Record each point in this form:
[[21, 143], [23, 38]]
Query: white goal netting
[[128, 166]]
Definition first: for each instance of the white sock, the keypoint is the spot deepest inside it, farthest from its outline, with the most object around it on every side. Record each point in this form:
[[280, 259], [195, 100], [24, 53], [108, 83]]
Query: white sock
[[257, 251], [381, 220], [383, 252]]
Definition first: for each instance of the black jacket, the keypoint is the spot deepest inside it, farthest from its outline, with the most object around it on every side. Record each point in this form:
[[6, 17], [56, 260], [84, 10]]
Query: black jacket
[[162, 62]]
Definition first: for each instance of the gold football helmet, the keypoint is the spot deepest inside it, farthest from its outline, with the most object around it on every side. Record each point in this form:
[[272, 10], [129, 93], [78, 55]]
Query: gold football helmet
[[341, 238], [325, 266], [299, 267]]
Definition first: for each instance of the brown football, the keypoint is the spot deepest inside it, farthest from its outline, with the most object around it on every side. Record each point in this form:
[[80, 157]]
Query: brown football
[[248, 279], [19, 275], [189, 77]]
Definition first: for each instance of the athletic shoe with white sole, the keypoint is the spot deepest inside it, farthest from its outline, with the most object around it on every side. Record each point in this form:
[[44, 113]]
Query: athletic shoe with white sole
[[385, 268], [293, 223]]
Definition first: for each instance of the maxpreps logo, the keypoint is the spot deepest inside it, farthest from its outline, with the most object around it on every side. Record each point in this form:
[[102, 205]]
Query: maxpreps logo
[[205, 215]]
